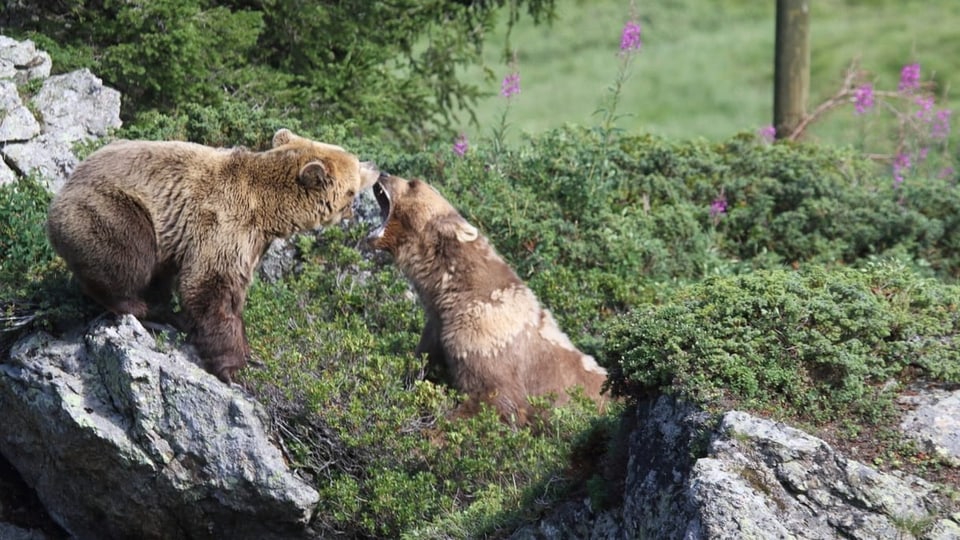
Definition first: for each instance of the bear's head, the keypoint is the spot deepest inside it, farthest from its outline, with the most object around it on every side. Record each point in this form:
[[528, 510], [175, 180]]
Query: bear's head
[[416, 219], [327, 172]]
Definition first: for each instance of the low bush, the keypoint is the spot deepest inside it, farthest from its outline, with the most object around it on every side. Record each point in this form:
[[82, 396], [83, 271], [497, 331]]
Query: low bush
[[35, 289], [621, 223], [815, 344], [336, 343]]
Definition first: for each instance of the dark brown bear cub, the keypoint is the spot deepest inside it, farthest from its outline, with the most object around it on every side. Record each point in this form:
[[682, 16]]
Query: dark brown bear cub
[[483, 324], [138, 218]]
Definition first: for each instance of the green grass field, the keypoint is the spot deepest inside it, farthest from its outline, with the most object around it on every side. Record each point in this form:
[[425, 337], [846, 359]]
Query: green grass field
[[706, 68]]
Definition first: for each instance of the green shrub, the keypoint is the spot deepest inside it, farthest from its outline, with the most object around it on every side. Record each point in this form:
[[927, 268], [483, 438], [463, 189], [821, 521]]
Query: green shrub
[[391, 68], [621, 224], [336, 342], [814, 344], [24, 250], [231, 123], [35, 290]]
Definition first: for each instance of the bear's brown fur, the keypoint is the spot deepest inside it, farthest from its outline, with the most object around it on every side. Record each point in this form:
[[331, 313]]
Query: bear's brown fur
[[483, 324], [138, 218]]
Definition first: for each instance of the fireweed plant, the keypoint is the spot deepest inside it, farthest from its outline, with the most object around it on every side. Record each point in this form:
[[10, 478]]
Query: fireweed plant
[[509, 88], [921, 130], [461, 145], [630, 44]]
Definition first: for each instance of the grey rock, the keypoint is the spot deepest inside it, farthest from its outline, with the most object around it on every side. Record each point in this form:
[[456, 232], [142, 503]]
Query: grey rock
[[366, 211], [944, 529], [21, 61], [655, 503], [279, 260], [12, 532], [72, 107], [7, 175], [50, 158], [573, 521], [77, 106], [122, 438], [16, 121], [745, 477], [768, 480], [934, 422]]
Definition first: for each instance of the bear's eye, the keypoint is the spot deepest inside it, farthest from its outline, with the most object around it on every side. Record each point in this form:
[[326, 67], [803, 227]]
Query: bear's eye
[[351, 193]]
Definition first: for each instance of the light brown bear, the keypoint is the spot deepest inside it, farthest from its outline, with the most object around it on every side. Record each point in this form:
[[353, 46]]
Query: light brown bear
[[483, 324], [137, 218]]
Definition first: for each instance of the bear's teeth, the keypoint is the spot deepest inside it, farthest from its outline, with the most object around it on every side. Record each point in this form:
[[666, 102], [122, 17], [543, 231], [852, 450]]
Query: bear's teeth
[[378, 232]]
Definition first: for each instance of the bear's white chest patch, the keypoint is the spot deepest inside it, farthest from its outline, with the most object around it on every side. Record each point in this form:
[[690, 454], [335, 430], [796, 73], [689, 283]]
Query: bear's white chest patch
[[486, 326]]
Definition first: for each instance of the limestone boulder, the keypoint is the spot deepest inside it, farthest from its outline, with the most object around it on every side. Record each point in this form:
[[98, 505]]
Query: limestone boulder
[[123, 438]]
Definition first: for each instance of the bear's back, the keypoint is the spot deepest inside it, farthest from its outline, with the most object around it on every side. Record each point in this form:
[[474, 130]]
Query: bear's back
[[135, 164]]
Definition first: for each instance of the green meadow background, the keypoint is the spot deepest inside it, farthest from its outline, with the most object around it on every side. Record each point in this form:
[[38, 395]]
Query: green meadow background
[[706, 67]]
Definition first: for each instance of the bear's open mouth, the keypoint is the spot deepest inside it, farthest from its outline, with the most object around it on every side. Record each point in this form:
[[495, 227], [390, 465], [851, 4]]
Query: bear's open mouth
[[383, 200]]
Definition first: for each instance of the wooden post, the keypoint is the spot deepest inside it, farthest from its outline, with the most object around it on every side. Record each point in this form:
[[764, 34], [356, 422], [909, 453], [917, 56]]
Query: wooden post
[[791, 65]]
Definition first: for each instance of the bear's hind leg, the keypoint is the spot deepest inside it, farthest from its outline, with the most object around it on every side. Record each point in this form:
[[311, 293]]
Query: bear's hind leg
[[113, 253]]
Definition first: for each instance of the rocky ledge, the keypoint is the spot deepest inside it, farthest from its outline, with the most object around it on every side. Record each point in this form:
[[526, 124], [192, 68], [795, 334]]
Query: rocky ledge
[[121, 439]]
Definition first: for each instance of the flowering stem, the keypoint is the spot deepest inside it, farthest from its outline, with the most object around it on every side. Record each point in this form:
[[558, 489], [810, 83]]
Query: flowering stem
[[841, 97]]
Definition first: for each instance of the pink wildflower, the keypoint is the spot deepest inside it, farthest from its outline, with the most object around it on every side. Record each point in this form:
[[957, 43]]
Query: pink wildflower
[[461, 145], [718, 207], [926, 106], [863, 98], [909, 78], [767, 133], [901, 164], [941, 124], [945, 173], [510, 85], [630, 37]]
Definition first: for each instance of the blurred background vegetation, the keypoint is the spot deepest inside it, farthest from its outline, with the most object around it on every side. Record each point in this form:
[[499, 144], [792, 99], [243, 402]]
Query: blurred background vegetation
[[389, 67], [412, 69], [706, 68], [690, 255]]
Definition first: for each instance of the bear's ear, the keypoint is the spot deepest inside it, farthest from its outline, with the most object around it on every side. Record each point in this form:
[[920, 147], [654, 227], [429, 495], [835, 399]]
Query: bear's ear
[[456, 227], [282, 136], [313, 174]]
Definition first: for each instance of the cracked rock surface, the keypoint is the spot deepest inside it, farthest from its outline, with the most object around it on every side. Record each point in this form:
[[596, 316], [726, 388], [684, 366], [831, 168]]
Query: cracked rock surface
[[755, 479], [123, 440]]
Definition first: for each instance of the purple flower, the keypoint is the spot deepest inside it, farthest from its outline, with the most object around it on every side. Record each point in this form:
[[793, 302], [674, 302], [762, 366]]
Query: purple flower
[[945, 173], [718, 207], [941, 124], [901, 164], [767, 133], [863, 98], [630, 37], [510, 85], [926, 106], [909, 78], [461, 145]]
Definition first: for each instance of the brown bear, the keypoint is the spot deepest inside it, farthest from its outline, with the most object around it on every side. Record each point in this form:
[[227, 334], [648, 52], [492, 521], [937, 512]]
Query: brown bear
[[484, 326], [138, 218]]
